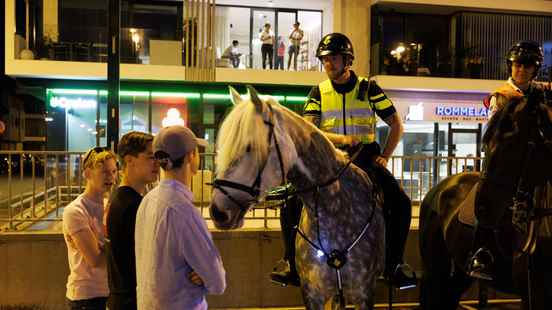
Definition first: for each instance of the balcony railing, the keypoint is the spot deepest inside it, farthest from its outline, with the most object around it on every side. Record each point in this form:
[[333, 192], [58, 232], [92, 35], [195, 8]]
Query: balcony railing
[[187, 33], [37, 185]]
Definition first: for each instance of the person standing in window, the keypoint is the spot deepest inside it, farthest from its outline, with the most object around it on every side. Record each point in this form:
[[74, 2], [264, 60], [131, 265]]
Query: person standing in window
[[267, 47], [83, 232], [280, 52], [139, 168], [295, 38]]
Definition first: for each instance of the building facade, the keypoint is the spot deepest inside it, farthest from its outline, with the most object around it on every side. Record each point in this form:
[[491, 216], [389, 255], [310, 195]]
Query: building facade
[[437, 60]]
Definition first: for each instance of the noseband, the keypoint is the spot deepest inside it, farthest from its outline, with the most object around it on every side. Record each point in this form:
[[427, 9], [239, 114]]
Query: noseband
[[255, 189]]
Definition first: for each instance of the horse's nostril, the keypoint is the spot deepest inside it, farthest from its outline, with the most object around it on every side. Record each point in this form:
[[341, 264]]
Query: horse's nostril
[[217, 215]]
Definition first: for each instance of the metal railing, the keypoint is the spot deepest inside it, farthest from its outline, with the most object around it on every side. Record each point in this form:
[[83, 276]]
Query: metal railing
[[35, 186]]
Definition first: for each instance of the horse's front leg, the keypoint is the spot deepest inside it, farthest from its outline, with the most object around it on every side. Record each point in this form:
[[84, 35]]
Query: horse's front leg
[[311, 301]]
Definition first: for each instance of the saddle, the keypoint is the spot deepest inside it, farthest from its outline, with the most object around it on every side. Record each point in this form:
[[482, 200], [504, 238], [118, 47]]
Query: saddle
[[466, 211]]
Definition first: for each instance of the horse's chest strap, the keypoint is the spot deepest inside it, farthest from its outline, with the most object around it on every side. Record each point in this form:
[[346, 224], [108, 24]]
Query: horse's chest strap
[[336, 259]]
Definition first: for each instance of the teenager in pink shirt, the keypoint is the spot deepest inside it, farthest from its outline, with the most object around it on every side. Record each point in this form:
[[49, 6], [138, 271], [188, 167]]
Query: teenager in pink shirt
[[83, 232]]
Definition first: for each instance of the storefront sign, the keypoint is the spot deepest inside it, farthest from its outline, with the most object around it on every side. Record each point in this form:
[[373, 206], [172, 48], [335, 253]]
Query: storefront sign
[[67, 103], [459, 113]]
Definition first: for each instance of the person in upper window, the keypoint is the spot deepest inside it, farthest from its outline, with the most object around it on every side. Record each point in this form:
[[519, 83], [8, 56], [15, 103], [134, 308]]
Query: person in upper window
[[295, 38], [233, 54], [267, 47], [280, 53]]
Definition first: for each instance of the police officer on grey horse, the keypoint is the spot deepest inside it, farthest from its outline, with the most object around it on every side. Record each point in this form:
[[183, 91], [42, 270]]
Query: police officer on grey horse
[[345, 93]]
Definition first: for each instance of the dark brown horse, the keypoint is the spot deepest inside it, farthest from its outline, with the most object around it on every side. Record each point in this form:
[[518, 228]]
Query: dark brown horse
[[518, 148]]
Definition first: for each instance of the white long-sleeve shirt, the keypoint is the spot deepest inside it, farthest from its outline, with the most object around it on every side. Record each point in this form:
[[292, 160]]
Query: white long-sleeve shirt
[[267, 37], [171, 240]]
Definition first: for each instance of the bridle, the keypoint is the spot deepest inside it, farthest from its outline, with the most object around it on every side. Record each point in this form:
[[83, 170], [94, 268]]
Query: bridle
[[254, 190]]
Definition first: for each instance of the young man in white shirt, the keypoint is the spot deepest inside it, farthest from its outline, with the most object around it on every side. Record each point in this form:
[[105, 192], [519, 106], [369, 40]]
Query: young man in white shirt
[[177, 263], [83, 232]]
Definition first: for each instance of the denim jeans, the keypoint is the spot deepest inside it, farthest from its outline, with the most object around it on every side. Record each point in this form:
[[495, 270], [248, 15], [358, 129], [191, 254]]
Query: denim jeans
[[293, 51], [267, 51], [97, 303]]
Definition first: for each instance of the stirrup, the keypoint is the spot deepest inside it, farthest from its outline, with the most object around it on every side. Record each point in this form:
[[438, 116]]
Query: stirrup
[[283, 276], [400, 279], [478, 268], [281, 279]]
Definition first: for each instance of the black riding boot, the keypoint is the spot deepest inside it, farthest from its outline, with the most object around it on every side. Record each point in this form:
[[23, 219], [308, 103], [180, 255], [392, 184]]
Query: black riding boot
[[285, 273], [480, 264], [397, 226]]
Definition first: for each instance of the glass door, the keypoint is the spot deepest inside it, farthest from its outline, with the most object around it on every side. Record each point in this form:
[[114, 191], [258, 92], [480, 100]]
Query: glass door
[[464, 144], [284, 27]]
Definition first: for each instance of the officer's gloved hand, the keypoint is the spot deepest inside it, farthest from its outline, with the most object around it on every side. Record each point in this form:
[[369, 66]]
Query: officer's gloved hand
[[281, 192]]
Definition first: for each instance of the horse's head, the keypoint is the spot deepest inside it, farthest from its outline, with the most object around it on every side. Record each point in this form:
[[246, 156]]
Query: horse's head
[[518, 145], [254, 153]]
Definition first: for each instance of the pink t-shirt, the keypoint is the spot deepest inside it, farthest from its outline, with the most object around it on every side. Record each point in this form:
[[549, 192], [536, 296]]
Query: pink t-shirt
[[84, 281], [281, 49]]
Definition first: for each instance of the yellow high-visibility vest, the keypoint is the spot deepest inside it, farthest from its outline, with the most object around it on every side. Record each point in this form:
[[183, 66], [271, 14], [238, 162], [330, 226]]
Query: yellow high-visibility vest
[[347, 114]]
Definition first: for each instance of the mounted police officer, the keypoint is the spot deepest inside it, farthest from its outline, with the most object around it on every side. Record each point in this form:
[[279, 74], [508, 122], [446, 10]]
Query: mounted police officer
[[345, 107], [524, 60]]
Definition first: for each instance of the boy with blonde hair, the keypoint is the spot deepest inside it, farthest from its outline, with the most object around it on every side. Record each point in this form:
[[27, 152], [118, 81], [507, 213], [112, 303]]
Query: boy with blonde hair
[[84, 234]]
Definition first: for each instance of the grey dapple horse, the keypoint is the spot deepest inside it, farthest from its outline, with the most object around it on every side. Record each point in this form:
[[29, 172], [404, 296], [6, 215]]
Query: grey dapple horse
[[262, 144]]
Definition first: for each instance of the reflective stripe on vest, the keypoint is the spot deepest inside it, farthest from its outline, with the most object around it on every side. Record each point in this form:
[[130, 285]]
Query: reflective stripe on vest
[[360, 119]]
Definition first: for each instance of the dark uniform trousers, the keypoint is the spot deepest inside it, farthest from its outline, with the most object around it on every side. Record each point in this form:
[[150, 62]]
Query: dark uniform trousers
[[396, 207]]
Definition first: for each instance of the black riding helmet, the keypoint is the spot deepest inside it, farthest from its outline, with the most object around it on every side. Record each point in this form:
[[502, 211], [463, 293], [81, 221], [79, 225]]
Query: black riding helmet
[[525, 52], [335, 44]]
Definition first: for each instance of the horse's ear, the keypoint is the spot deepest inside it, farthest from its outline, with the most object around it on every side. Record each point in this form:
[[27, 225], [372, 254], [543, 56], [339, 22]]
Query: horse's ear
[[254, 96], [236, 98]]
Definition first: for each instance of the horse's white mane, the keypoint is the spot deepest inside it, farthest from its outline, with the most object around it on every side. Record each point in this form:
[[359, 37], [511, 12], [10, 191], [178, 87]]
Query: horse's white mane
[[242, 128]]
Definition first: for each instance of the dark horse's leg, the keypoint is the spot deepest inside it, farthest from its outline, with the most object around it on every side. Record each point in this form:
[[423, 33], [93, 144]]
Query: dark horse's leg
[[541, 276], [442, 285]]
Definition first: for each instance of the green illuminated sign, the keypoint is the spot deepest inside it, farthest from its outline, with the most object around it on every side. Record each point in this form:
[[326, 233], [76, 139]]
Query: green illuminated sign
[[56, 100]]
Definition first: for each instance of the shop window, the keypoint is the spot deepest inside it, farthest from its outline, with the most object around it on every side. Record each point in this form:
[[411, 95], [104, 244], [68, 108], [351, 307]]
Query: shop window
[[133, 113], [232, 23], [168, 110], [74, 114], [311, 24], [412, 44]]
